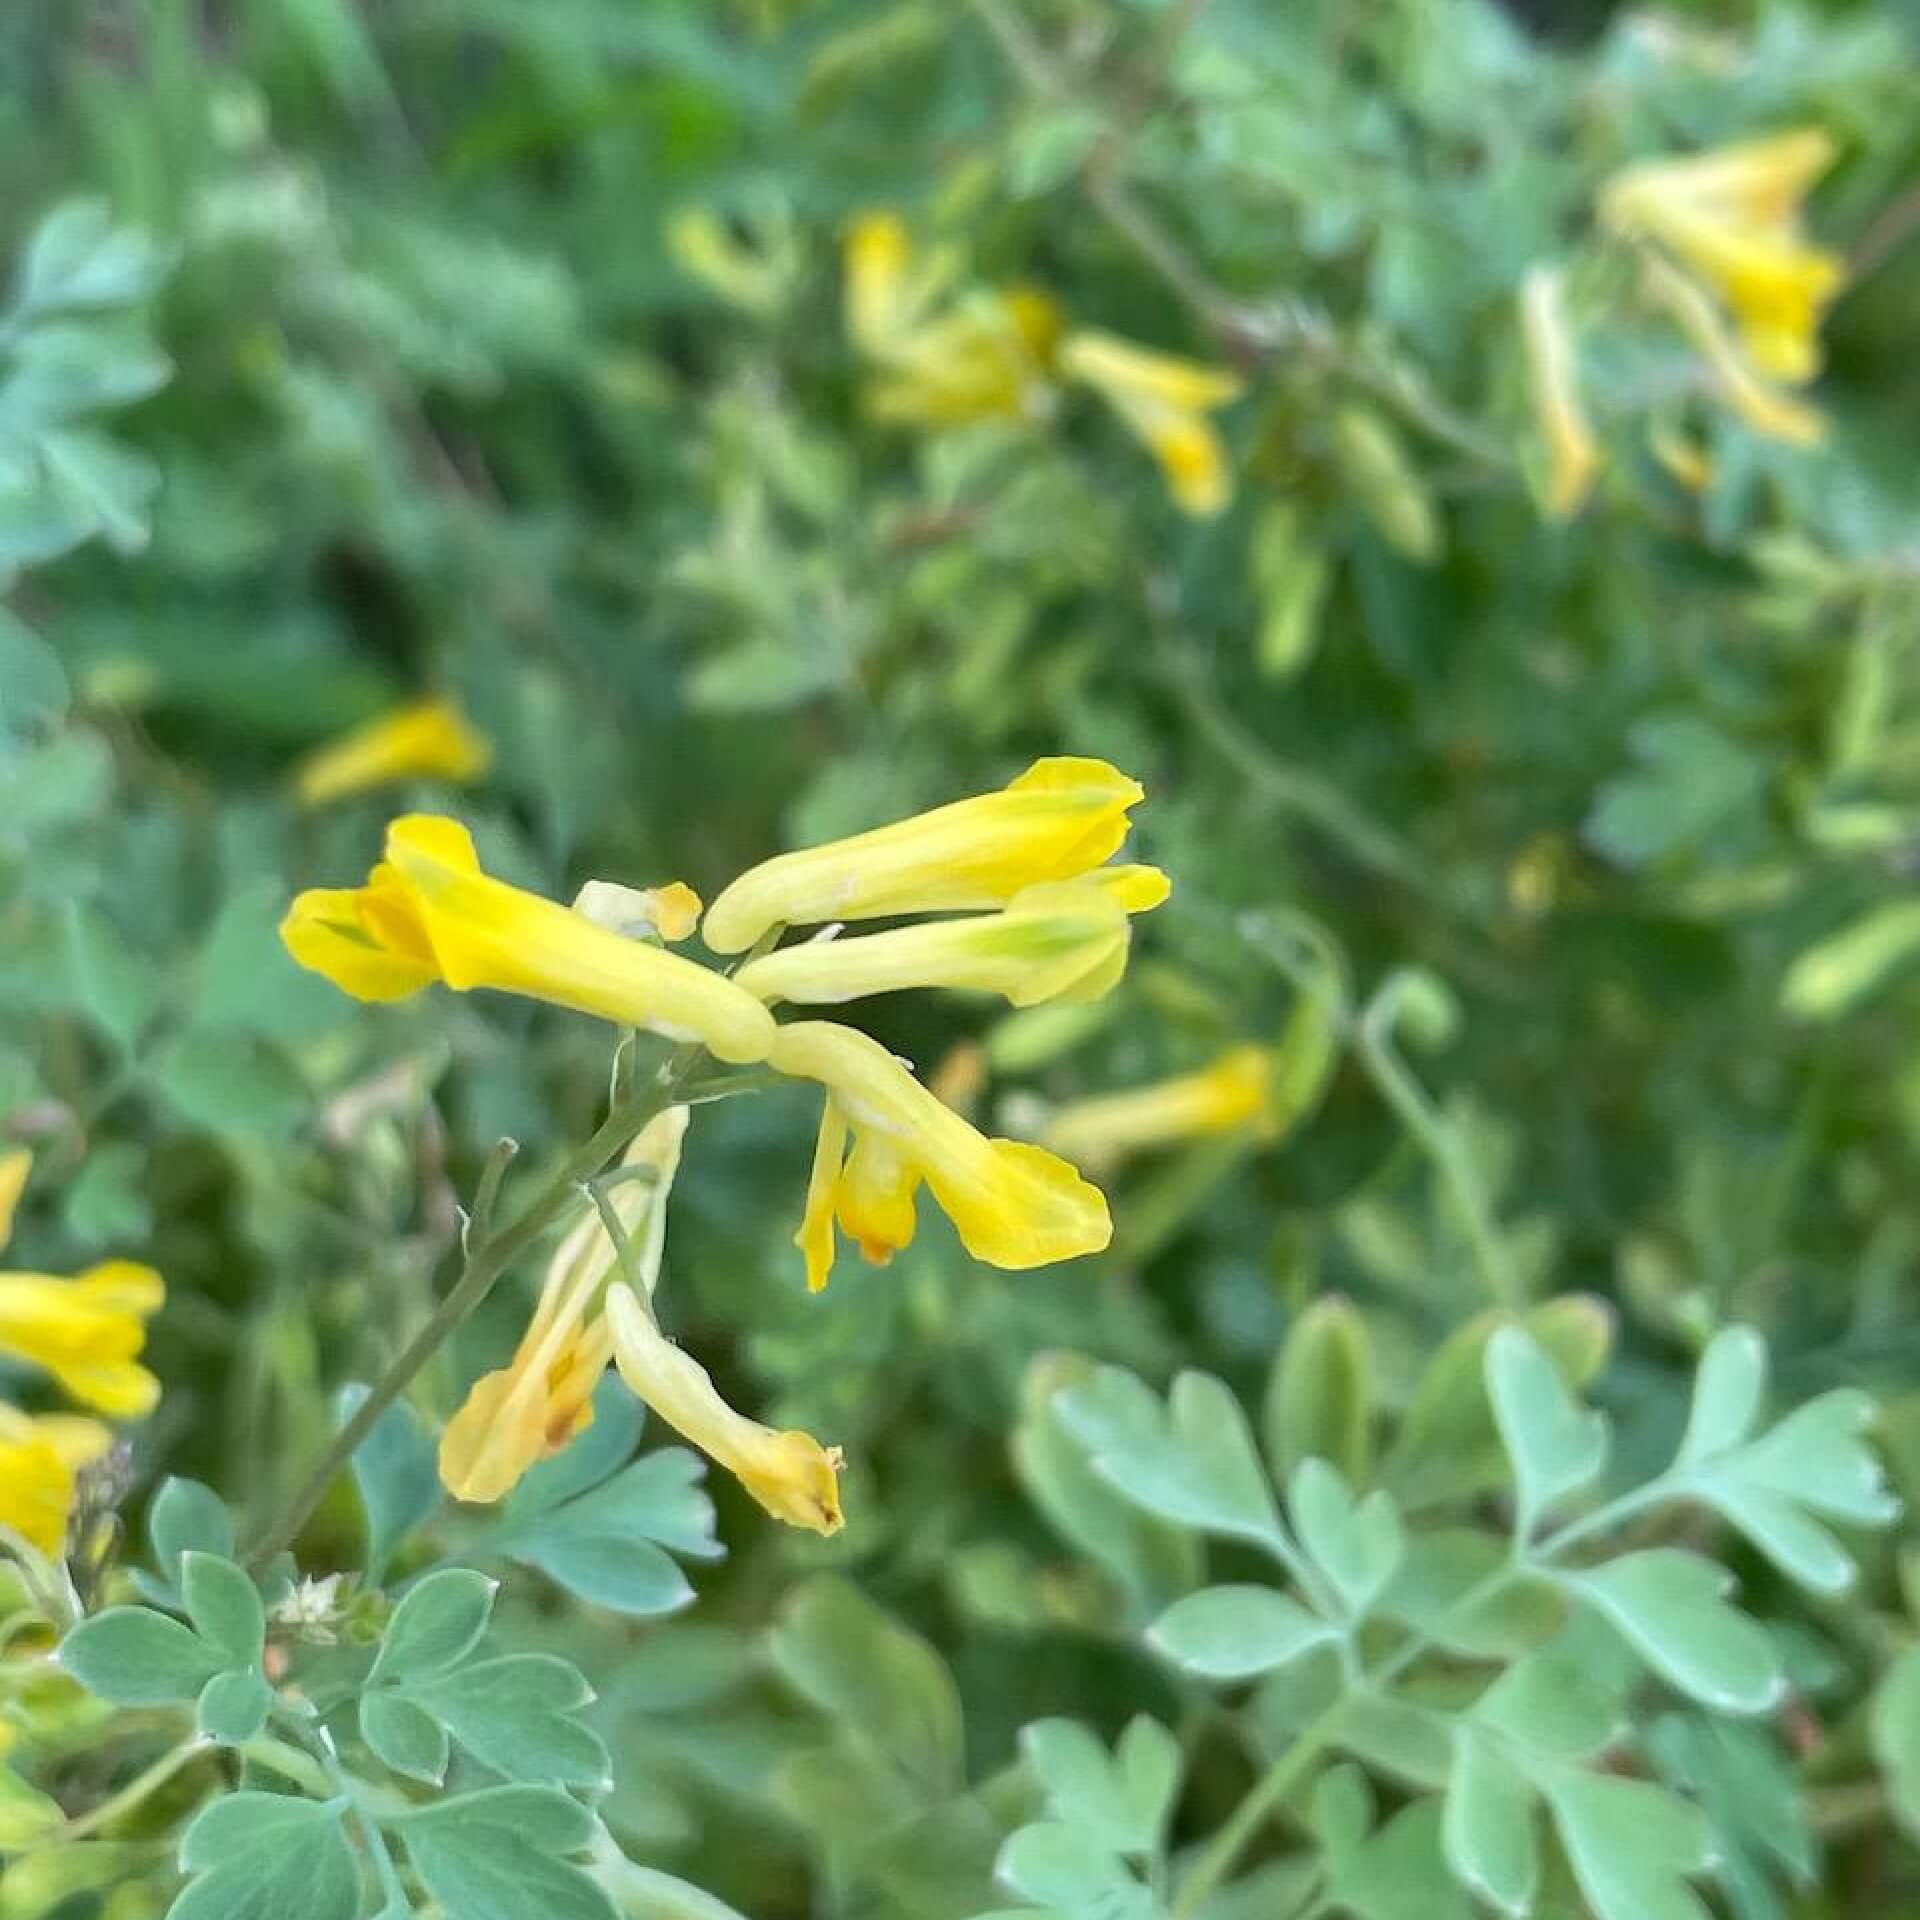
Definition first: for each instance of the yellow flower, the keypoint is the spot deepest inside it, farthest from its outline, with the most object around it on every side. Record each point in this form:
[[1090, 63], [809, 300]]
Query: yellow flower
[[1572, 458], [1060, 939], [1733, 217], [532, 1407], [791, 1474], [86, 1332], [40, 1457], [1059, 819], [1165, 401], [1014, 1205], [427, 739], [1762, 405], [428, 913], [14, 1168], [1231, 1093], [985, 357]]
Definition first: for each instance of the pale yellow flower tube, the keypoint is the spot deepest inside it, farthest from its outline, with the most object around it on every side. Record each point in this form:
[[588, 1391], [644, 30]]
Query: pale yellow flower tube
[[428, 739], [1062, 939], [1573, 460], [86, 1332], [15, 1166], [428, 913], [1059, 819], [791, 1474], [520, 1414], [1233, 1092], [1014, 1205], [40, 1460]]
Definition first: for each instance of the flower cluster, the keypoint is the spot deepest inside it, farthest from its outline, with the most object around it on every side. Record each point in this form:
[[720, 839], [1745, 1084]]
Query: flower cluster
[[1003, 353], [86, 1333], [1034, 908]]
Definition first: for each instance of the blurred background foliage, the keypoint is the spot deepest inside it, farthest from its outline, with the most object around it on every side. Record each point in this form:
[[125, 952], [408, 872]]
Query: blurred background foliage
[[500, 350]]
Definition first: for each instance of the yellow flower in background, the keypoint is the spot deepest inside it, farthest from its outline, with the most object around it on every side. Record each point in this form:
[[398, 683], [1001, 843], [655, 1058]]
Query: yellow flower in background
[[15, 1165], [1766, 408], [86, 1332], [428, 913], [1233, 1092], [1165, 401], [1059, 819], [791, 1474], [1014, 1205], [986, 356], [515, 1417], [428, 739], [1060, 939], [1732, 218], [40, 1460], [1573, 460]]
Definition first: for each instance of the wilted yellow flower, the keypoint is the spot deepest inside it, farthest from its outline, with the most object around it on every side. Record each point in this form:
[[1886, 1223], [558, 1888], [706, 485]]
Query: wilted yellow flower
[[987, 356], [1233, 1092], [40, 1457], [428, 913], [1732, 216], [1765, 407], [1059, 819], [1013, 1204], [1059, 939], [1572, 458], [427, 739], [1165, 401], [86, 1332], [791, 1474], [515, 1417]]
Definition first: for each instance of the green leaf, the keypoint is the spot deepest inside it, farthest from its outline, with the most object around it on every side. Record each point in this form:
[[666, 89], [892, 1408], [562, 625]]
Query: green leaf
[[1319, 1401], [232, 1085], [115, 988], [1555, 1445], [1049, 147], [1632, 1846], [1691, 779], [1193, 1462], [135, 1657], [26, 1814], [1401, 1872], [224, 1606], [263, 1856], [1066, 1869], [500, 1855], [1554, 1703], [1396, 1737], [404, 1736], [1668, 1604], [33, 684], [436, 1626], [600, 1545], [185, 1517], [111, 486], [1727, 1390], [516, 1715], [233, 1707], [1123, 1800], [1232, 1633], [1438, 1590], [647, 1894], [78, 259], [396, 1471], [1487, 1825], [886, 1686], [1358, 1545], [1896, 1735]]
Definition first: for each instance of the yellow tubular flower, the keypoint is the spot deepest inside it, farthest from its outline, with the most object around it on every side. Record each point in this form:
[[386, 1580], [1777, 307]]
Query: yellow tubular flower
[[1059, 940], [428, 913], [1014, 1205], [15, 1165], [86, 1332], [1165, 401], [1763, 406], [515, 1417], [1733, 217], [1572, 458], [1059, 819], [40, 1458], [428, 739], [1233, 1092], [887, 300], [791, 1474]]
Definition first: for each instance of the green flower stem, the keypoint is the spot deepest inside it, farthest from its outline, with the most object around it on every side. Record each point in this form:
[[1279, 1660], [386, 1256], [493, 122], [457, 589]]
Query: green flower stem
[[129, 1796], [489, 1253]]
